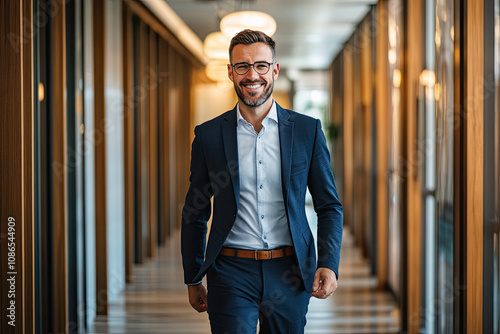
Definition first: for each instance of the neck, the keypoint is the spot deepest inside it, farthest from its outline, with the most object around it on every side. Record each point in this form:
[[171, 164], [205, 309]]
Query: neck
[[255, 115]]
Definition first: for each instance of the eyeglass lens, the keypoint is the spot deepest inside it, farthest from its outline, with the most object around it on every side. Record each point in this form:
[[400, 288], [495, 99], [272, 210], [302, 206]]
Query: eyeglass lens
[[259, 67]]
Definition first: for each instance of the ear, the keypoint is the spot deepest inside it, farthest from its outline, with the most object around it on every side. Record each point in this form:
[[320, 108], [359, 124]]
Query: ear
[[276, 71], [230, 72]]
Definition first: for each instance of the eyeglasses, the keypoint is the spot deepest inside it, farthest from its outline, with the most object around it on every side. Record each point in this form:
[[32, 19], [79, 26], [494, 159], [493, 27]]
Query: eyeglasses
[[261, 67]]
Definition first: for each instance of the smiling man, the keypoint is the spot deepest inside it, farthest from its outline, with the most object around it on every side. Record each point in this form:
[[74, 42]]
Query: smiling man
[[256, 161]]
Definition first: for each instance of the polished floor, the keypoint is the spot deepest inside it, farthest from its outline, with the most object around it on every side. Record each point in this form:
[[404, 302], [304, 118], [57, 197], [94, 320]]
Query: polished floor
[[157, 301]]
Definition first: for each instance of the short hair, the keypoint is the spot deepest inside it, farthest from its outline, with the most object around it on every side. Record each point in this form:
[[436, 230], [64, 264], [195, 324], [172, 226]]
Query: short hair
[[248, 37]]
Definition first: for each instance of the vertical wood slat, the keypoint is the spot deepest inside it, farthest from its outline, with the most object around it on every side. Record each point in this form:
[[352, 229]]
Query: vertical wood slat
[[178, 129], [348, 136], [58, 166], [473, 160], [357, 137], [152, 88], [164, 142], [382, 141], [28, 314], [100, 158], [172, 130], [138, 105], [186, 129], [16, 172], [143, 140], [128, 134], [367, 121], [336, 119], [178, 137], [414, 45]]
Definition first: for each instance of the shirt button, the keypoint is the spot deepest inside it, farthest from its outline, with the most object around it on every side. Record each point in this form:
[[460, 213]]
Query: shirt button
[[265, 237], [260, 162], [262, 217], [260, 186]]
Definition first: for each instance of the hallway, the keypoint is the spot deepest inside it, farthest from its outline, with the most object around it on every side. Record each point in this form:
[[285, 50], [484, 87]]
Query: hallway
[[100, 100], [157, 301]]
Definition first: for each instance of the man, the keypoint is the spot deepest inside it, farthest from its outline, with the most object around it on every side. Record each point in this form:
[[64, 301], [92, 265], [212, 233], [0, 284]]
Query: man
[[257, 161]]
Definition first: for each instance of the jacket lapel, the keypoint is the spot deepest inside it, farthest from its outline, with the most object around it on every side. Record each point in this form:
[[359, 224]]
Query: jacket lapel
[[286, 142], [230, 143]]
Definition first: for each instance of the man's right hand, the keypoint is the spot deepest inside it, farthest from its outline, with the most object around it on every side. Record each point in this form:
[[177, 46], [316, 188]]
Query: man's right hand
[[198, 297]]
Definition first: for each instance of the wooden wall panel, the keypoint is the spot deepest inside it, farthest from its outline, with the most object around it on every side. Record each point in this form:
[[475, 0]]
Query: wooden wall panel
[[414, 64], [381, 120], [172, 131], [128, 134], [59, 219], [28, 249], [179, 153], [152, 88], [366, 129], [358, 178], [337, 120], [348, 138], [150, 20], [16, 175], [143, 140], [100, 158], [163, 121], [138, 107], [175, 108], [473, 162], [187, 128]]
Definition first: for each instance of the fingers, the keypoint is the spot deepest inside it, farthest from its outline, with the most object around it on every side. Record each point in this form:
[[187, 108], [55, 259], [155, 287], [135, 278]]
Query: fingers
[[198, 297], [325, 283], [317, 282], [200, 305]]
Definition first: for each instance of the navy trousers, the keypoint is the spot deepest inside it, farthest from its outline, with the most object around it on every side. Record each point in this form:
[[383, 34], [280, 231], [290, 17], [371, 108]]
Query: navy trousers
[[242, 291]]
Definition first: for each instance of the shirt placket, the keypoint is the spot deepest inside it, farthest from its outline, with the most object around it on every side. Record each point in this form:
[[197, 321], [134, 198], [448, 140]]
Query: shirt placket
[[261, 209]]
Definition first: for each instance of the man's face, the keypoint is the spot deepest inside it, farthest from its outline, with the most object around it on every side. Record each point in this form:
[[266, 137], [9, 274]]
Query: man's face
[[252, 88]]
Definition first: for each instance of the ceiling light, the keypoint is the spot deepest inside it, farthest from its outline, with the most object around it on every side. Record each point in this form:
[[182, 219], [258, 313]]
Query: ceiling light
[[233, 23], [216, 46]]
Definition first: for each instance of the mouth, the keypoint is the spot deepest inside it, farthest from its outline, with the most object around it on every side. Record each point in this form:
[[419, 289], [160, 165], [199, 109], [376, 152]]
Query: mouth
[[252, 85]]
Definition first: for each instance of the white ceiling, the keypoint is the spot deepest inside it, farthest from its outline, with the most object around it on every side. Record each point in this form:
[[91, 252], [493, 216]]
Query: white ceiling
[[309, 32]]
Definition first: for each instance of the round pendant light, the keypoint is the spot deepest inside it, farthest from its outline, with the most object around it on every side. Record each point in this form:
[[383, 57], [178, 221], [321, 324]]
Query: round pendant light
[[216, 46], [233, 23]]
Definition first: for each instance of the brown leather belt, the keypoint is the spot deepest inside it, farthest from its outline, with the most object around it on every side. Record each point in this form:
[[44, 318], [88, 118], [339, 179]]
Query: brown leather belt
[[258, 254]]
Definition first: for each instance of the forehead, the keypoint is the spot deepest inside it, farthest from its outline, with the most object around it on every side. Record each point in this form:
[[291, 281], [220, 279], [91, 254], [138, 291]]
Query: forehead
[[252, 52]]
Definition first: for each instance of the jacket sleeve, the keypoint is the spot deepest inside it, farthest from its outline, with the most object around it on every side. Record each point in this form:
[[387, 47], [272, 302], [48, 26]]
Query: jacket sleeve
[[195, 213], [326, 204]]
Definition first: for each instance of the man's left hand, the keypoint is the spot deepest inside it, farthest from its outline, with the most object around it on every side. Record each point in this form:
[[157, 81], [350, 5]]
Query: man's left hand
[[325, 283]]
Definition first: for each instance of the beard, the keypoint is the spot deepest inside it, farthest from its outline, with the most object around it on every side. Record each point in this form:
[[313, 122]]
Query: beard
[[254, 100]]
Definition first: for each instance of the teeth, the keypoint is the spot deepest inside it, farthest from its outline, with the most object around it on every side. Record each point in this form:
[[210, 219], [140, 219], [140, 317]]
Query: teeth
[[253, 86]]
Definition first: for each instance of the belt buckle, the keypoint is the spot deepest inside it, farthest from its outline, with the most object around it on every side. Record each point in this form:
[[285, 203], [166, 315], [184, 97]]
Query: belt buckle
[[256, 256]]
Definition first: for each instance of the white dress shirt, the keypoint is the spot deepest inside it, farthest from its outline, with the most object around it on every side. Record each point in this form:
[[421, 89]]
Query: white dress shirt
[[261, 221]]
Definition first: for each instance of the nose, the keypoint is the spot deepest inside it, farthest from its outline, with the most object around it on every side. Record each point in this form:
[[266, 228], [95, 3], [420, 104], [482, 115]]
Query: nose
[[252, 73]]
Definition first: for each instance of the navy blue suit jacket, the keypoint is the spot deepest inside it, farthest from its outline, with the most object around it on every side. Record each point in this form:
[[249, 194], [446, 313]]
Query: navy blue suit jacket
[[305, 162]]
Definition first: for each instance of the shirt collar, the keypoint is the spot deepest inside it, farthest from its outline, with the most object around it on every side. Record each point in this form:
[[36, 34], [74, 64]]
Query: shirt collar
[[272, 114]]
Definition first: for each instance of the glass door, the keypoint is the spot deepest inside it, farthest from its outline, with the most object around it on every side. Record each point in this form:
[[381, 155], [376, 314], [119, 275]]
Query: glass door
[[75, 167], [491, 192], [427, 170], [444, 95], [395, 26]]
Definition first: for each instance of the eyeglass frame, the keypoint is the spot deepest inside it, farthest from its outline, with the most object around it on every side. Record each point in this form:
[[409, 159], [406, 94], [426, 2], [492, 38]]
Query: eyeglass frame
[[253, 65]]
